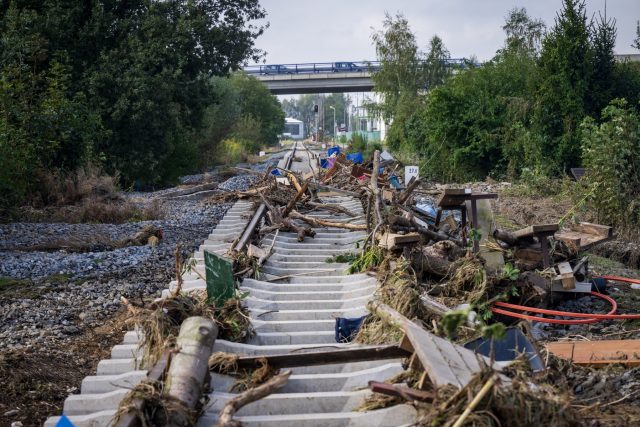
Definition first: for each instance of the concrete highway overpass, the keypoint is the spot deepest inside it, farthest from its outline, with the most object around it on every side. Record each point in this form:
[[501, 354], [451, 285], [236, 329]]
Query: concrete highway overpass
[[330, 82]]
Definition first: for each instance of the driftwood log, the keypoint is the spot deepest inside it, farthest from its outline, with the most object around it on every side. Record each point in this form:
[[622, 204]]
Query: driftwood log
[[231, 407], [190, 366], [324, 223], [424, 262], [505, 236], [284, 224]]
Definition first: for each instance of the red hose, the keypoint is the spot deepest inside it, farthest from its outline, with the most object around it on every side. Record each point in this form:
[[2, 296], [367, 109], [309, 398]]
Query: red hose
[[590, 318], [582, 317], [619, 279]]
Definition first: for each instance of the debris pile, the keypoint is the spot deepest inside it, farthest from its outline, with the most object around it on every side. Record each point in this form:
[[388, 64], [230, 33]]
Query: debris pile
[[443, 264], [458, 298]]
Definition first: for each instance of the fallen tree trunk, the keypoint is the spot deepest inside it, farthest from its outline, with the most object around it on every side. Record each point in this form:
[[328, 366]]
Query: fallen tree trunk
[[189, 367], [505, 236], [231, 407], [323, 223], [292, 202], [424, 262]]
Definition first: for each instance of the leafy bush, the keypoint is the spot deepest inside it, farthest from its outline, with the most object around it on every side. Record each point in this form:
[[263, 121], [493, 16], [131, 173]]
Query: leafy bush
[[358, 141], [611, 154], [231, 151]]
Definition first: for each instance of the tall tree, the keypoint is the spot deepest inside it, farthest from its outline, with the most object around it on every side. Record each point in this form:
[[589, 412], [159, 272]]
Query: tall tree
[[566, 67], [401, 73], [522, 31], [437, 70], [604, 64], [636, 41]]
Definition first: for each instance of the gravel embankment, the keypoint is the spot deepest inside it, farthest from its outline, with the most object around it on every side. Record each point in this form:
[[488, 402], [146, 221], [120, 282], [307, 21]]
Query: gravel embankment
[[66, 293]]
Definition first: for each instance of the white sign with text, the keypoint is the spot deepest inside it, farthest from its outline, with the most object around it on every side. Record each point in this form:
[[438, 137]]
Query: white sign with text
[[410, 172]]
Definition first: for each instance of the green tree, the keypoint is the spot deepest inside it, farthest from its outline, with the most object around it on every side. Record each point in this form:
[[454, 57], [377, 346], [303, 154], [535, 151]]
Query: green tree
[[611, 152], [257, 102], [604, 64], [401, 70], [522, 31], [436, 68], [636, 41], [566, 67]]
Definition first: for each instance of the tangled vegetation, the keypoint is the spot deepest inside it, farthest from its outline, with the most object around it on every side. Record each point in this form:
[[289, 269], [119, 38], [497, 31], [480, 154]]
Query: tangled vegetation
[[140, 88]]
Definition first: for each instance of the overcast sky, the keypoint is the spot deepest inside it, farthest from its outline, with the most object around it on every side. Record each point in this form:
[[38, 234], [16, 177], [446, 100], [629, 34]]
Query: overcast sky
[[340, 30]]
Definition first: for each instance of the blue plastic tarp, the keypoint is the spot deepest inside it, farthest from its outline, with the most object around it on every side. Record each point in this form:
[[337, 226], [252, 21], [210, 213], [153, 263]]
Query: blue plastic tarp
[[355, 158], [333, 150], [346, 329], [276, 172]]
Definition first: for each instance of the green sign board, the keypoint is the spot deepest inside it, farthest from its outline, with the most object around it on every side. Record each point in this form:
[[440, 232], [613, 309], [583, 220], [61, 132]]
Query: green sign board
[[220, 281]]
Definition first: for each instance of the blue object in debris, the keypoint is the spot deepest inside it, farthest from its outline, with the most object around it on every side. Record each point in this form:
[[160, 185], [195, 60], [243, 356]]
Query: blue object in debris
[[598, 284], [346, 329], [64, 422], [332, 150], [395, 182], [508, 348], [355, 158], [324, 163], [276, 172]]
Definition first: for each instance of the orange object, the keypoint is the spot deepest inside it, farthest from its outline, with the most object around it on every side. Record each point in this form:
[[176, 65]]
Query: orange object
[[598, 353]]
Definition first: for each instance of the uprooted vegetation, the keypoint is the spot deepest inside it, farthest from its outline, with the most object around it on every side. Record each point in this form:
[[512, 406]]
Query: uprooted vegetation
[[88, 195]]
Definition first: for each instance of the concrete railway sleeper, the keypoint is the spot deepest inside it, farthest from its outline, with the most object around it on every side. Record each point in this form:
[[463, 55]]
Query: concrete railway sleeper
[[293, 315]]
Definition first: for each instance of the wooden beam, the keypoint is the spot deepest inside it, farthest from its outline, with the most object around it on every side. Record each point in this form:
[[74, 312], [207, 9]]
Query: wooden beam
[[598, 353], [533, 230], [445, 362], [293, 360], [402, 391]]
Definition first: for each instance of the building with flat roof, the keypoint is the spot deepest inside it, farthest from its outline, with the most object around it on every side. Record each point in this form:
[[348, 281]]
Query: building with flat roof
[[293, 129]]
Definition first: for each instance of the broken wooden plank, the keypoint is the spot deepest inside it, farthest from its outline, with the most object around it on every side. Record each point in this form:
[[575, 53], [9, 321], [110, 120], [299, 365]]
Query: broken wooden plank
[[393, 241], [131, 418], [598, 353], [566, 275], [444, 361], [293, 360], [402, 391], [534, 230], [603, 231]]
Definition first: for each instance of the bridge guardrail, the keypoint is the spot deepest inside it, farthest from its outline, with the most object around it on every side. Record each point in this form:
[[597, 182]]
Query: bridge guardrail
[[334, 67]]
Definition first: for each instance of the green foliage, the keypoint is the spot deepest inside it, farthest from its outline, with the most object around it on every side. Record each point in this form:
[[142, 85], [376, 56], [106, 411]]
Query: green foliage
[[358, 141], [342, 258], [496, 331], [510, 272], [123, 83], [611, 153], [453, 320], [370, 257], [516, 116], [523, 33]]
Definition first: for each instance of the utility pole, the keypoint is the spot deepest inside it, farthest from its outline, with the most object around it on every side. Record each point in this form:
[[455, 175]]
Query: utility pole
[[335, 139]]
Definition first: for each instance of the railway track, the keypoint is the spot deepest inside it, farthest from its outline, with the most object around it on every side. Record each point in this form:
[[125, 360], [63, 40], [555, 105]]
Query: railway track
[[291, 316]]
